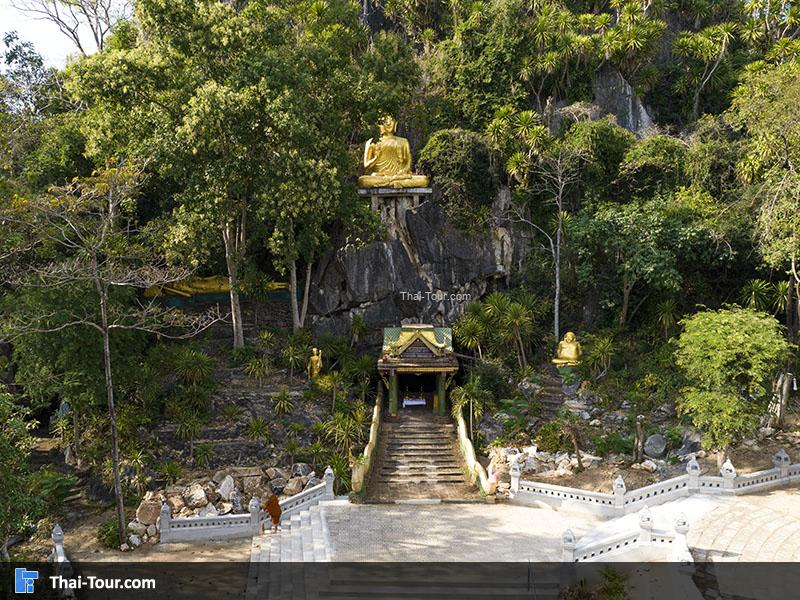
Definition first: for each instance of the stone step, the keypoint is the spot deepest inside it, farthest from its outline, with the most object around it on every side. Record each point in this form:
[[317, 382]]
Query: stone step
[[428, 480], [419, 471], [286, 543], [296, 553], [307, 536], [320, 554]]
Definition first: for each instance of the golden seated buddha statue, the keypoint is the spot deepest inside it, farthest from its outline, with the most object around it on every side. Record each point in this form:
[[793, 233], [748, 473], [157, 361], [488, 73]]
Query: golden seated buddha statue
[[387, 162], [568, 353]]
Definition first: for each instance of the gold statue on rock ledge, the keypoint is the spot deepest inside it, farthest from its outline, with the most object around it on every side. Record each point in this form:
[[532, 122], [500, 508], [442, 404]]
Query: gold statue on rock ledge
[[569, 351], [387, 162]]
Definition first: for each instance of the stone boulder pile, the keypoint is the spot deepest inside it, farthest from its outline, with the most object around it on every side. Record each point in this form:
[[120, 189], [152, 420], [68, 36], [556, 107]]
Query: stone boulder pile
[[227, 491]]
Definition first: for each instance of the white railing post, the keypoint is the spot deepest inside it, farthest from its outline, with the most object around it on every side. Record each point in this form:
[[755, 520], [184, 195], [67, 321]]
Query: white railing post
[[328, 479], [164, 524], [255, 515], [680, 547], [728, 475], [567, 572], [645, 526], [693, 470], [619, 492], [515, 473], [782, 461]]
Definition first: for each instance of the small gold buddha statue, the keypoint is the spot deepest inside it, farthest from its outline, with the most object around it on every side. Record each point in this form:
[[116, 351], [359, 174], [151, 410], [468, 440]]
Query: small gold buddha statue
[[314, 364], [387, 162], [569, 351]]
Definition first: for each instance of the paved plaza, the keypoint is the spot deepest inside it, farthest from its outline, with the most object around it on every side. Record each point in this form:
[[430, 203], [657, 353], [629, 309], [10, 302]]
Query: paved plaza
[[449, 532]]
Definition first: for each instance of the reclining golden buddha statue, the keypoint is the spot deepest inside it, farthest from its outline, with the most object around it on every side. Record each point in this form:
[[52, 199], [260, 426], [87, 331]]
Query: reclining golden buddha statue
[[387, 162]]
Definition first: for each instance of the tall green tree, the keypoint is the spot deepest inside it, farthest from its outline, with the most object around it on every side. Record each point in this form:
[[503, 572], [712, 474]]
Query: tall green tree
[[729, 357]]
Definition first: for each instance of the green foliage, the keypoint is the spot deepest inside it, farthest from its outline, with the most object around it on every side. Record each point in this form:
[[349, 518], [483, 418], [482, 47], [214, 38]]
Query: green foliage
[[653, 164], [107, 534], [613, 443], [52, 486], [231, 412], [459, 163], [258, 368], [192, 366], [283, 403], [20, 502], [242, 356], [203, 454], [170, 470], [341, 473], [551, 438], [728, 357], [258, 429]]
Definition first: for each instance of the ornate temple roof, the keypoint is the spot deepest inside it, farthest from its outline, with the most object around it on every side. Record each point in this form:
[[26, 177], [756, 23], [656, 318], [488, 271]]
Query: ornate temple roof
[[417, 349]]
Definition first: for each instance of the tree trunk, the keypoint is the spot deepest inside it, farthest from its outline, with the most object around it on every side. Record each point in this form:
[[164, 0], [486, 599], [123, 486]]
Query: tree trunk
[[789, 309], [229, 237], [4, 557], [299, 312], [112, 412], [574, 437], [626, 298], [557, 292], [293, 293], [638, 449]]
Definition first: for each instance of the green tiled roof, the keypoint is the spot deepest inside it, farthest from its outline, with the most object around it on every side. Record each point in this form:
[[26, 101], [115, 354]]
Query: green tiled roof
[[444, 335]]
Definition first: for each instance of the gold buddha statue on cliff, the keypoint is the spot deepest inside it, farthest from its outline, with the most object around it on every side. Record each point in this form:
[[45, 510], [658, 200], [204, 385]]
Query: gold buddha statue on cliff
[[387, 162], [568, 353]]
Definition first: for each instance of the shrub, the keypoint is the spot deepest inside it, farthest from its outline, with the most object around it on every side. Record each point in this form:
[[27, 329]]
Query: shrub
[[203, 454], [231, 412], [241, 356], [551, 437], [258, 368], [459, 162], [170, 471], [613, 443], [283, 403], [258, 429], [192, 366], [108, 535], [52, 486]]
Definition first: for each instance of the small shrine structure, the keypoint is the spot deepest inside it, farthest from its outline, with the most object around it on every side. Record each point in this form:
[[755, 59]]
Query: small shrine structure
[[417, 365]]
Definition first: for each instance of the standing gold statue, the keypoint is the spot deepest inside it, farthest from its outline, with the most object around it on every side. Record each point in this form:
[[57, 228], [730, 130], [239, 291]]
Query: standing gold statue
[[569, 351], [387, 162], [314, 364]]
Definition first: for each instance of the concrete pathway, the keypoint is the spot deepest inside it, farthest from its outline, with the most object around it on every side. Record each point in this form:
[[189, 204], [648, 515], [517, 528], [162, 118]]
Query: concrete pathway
[[449, 532]]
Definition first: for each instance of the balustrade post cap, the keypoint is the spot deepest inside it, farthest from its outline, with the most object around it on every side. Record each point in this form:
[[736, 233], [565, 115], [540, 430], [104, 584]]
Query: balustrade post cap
[[681, 523], [165, 510], [328, 472], [728, 469], [58, 534], [255, 504], [515, 469], [645, 518], [619, 483], [693, 466], [568, 537], [781, 458]]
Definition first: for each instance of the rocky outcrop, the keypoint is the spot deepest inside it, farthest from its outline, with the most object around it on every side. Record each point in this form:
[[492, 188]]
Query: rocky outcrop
[[615, 96], [427, 273]]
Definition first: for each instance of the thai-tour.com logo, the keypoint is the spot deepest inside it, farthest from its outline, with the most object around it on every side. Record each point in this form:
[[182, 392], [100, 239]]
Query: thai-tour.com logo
[[23, 580]]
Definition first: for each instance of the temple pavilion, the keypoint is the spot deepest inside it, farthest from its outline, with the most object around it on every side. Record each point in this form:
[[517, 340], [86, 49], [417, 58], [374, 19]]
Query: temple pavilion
[[417, 364]]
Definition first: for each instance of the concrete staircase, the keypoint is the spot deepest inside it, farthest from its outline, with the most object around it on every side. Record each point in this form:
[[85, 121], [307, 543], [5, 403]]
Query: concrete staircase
[[418, 458], [551, 397], [303, 538]]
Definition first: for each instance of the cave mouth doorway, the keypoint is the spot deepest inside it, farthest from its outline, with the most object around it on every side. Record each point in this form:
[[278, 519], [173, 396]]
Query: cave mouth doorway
[[417, 391]]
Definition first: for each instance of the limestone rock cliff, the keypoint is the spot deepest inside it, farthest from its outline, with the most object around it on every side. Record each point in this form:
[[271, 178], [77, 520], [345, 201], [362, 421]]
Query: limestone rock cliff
[[426, 273]]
